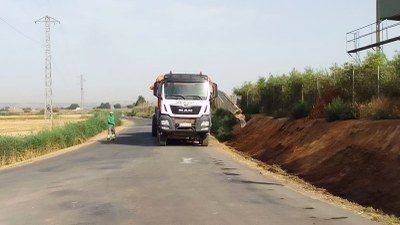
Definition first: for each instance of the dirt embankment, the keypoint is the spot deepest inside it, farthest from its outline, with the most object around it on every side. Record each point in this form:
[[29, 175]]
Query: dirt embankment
[[356, 159]]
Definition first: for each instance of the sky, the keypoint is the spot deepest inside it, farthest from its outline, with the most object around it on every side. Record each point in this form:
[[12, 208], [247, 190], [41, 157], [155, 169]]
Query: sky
[[120, 46]]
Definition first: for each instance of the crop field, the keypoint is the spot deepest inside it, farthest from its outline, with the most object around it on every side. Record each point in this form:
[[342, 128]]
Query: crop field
[[16, 125]]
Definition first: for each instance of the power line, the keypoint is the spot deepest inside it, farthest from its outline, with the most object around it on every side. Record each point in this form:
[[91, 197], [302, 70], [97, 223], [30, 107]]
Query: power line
[[19, 32]]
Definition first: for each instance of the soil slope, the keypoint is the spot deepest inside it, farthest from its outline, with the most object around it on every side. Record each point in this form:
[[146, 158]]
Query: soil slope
[[357, 159]]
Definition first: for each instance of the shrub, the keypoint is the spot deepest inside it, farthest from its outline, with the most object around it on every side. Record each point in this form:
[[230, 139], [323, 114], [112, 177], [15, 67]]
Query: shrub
[[27, 110], [142, 111], [222, 124], [339, 110], [280, 113], [300, 110], [247, 117], [381, 114], [379, 109], [251, 109]]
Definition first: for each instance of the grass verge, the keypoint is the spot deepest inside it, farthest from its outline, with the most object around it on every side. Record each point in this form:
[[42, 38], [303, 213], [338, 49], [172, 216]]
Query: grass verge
[[15, 149]]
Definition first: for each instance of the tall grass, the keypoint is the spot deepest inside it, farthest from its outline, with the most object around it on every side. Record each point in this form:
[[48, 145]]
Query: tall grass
[[380, 109], [15, 149]]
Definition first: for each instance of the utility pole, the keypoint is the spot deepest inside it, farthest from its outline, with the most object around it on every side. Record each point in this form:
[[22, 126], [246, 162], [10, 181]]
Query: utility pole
[[379, 77], [302, 92], [82, 80], [353, 98], [48, 107]]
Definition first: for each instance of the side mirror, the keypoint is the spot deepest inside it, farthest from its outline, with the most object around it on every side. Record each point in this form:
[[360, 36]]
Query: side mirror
[[155, 89], [215, 90]]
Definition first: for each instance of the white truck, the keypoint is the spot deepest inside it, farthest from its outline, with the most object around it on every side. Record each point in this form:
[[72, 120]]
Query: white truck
[[183, 107]]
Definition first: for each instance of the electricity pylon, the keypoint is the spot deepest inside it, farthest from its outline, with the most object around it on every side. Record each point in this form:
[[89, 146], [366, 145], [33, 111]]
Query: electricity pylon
[[48, 107], [82, 95]]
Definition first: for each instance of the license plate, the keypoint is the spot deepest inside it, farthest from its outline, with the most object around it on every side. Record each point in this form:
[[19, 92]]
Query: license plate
[[185, 125]]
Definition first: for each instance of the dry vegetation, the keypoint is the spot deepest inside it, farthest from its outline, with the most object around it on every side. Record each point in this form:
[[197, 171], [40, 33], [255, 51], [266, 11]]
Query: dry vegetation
[[15, 125]]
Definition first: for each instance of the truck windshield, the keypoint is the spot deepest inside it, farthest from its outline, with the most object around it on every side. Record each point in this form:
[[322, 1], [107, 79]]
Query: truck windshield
[[185, 90]]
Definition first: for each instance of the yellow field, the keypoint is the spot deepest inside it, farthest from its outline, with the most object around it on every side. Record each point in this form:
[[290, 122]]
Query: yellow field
[[29, 124]]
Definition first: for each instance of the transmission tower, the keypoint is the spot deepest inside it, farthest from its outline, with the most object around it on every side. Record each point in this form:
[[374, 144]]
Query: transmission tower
[[48, 106], [82, 99]]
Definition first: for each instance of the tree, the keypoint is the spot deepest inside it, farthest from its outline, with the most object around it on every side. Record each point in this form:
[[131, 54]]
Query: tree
[[281, 93], [27, 110], [104, 106], [367, 76], [140, 100], [390, 78], [73, 106], [7, 108], [117, 106]]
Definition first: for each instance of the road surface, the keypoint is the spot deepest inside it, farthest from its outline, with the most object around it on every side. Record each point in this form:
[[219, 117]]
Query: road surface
[[135, 181]]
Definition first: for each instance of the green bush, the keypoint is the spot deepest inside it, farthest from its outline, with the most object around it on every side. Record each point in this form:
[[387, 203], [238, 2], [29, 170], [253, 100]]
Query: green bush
[[251, 109], [14, 149], [381, 115], [300, 110], [247, 117], [142, 111], [222, 124], [339, 110]]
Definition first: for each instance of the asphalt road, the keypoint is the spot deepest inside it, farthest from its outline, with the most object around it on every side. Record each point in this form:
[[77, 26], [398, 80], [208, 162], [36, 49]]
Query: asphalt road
[[135, 181]]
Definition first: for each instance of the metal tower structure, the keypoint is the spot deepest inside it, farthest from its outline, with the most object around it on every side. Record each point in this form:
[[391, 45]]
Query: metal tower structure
[[48, 107], [385, 30], [82, 95]]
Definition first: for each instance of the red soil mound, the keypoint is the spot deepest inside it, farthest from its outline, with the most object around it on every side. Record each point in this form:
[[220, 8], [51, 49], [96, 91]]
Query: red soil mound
[[356, 159]]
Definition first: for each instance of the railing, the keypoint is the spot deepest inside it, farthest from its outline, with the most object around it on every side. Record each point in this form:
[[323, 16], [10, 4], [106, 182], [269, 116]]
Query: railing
[[366, 37]]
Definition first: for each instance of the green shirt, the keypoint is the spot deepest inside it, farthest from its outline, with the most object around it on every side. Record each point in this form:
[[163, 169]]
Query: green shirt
[[110, 121]]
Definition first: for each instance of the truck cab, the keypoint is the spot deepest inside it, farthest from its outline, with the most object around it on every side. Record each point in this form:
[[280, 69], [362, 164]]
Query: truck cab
[[184, 106]]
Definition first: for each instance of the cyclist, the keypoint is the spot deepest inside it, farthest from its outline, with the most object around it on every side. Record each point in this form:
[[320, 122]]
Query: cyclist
[[111, 127]]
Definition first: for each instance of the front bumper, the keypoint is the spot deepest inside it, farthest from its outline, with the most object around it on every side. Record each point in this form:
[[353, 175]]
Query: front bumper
[[185, 127]]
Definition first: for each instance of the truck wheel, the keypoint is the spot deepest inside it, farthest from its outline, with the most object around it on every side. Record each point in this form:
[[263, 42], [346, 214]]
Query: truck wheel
[[162, 140], [154, 126], [204, 140]]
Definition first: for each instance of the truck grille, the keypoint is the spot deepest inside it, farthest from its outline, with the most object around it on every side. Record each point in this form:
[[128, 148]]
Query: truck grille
[[194, 110]]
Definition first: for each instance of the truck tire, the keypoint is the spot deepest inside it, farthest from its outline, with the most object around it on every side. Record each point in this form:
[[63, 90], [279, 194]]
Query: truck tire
[[162, 139], [204, 140], [154, 126]]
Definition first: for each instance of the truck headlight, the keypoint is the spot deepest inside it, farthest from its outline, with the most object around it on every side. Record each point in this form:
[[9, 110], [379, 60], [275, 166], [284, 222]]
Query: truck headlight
[[164, 123], [205, 123]]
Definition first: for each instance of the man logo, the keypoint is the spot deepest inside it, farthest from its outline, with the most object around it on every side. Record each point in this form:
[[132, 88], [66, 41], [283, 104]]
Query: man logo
[[185, 110]]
